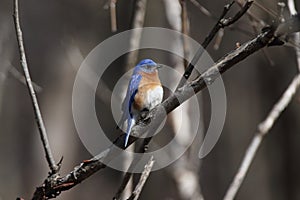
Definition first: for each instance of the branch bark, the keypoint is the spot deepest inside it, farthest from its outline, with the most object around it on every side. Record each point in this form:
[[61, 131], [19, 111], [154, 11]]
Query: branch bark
[[267, 124], [221, 24], [138, 189], [53, 187], [263, 129], [38, 116]]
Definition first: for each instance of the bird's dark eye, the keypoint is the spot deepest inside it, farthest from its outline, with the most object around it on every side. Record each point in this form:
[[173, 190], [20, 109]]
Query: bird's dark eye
[[147, 67]]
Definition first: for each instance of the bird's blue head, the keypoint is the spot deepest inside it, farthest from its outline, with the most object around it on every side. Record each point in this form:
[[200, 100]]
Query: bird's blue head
[[146, 65]]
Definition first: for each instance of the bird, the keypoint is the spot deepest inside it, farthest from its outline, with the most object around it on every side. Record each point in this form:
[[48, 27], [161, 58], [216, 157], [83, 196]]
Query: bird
[[144, 92]]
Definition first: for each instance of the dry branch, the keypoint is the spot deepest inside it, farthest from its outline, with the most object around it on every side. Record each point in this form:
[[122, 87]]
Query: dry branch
[[183, 175], [263, 129], [52, 188], [137, 22], [138, 189], [293, 11], [221, 23], [267, 124], [39, 120], [54, 185], [113, 15]]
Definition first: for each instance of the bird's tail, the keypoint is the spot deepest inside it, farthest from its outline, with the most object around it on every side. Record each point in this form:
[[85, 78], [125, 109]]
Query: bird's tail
[[129, 126]]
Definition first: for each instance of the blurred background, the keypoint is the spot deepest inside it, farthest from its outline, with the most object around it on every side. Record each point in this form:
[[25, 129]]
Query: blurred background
[[57, 33]]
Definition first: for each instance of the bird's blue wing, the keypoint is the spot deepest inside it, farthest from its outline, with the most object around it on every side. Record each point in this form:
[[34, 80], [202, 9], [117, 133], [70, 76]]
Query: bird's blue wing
[[131, 92]]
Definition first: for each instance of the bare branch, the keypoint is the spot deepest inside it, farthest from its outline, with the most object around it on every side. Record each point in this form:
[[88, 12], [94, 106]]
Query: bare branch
[[267, 10], [138, 189], [184, 176], [39, 120], [292, 7], [142, 148], [250, 14], [18, 76], [137, 22], [263, 129], [52, 188], [111, 5], [202, 8], [113, 15], [184, 30], [222, 23], [219, 39], [123, 185], [293, 11], [256, 24], [266, 125]]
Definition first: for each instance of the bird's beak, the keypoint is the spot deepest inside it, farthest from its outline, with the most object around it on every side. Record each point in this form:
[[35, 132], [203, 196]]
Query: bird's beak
[[158, 66]]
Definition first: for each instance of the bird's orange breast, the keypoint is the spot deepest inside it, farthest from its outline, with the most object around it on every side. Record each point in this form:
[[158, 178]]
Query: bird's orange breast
[[149, 82]]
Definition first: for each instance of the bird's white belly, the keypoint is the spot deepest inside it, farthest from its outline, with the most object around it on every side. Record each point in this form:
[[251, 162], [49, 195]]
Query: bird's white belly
[[153, 97]]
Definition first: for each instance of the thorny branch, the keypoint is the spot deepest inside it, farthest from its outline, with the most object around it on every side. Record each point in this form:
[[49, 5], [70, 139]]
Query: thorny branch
[[39, 120]]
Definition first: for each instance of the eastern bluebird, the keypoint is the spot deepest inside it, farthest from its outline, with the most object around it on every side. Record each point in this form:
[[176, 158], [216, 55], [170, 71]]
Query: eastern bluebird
[[144, 92]]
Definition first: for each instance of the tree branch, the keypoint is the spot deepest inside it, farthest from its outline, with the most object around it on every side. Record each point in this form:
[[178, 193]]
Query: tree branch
[[142, 148], [52, 188], [221, 24], [113, 15], [267, 124], [263, 129], [137, 21], [138, 189], [39, 120], [293, 11]]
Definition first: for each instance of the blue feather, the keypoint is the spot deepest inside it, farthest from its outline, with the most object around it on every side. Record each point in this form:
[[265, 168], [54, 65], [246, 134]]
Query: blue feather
[[131, 92]]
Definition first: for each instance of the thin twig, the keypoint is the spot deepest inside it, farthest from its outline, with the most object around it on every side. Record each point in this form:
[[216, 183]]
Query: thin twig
[[18, 76], [263, 129], [222, 23], [203, 9], [255, 22], [137, 22], [219, 39], [138, 189], [293, 11], [267, 10], [184, 31], [210, 15], [113, 15], [39, 120], [249, 13], [141, 149], [123, 185]]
